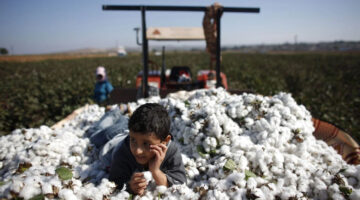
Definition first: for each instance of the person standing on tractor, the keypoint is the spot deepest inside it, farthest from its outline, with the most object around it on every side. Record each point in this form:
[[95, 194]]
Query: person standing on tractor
[[210, 31], [103, 87]]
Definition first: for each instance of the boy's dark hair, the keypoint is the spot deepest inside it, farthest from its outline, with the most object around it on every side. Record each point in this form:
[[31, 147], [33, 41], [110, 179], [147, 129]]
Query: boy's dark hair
[[150, 117]]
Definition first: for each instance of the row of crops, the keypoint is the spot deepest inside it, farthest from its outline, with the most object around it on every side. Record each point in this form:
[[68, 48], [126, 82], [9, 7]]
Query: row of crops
[[44, 92]]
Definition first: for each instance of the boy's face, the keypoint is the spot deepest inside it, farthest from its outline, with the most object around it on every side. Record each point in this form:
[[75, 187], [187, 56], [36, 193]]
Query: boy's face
[[140, 146]]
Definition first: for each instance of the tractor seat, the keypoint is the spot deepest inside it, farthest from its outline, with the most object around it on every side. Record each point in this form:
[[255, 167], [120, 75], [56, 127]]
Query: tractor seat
[[180, 74]]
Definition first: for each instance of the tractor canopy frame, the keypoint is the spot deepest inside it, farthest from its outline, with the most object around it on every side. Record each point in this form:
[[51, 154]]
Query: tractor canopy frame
[[144, 8]]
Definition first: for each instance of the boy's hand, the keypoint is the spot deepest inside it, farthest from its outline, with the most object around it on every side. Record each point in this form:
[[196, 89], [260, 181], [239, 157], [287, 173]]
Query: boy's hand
[[138, 183], [160, 152]]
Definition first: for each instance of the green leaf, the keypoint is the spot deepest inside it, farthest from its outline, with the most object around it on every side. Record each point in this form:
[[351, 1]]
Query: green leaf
[[187, 103], [342, 170], [64, 173], [230, 165], [2, 183], [201, 150], [249, 174], [160, 196], [23, 167], [212, 152], [296, 131], [345, 190], [38, 197]]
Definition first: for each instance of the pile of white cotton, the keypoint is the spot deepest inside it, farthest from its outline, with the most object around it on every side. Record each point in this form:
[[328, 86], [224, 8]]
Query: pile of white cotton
[[233, 147]]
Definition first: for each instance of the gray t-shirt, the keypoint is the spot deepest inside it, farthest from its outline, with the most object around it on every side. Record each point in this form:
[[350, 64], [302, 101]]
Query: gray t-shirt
[[124, 165]]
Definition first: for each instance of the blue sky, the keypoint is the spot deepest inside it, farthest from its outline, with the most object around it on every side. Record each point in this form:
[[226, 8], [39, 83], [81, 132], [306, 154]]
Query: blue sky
[[43, 26]]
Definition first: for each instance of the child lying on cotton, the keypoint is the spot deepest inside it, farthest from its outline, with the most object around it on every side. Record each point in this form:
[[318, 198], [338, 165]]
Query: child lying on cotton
[[147, 148]]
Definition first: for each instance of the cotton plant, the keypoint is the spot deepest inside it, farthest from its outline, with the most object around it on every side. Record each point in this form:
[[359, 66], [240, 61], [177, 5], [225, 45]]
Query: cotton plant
[[233, 147]]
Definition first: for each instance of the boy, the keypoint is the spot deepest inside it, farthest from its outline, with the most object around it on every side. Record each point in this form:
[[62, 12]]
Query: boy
[[147, 148], [103, 87]]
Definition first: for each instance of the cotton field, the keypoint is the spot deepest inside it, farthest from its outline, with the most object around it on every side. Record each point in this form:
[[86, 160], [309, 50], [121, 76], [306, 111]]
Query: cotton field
[[233, 147]]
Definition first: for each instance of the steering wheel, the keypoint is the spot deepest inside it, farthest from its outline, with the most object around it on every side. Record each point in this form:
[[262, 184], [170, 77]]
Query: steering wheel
[[152, 65]]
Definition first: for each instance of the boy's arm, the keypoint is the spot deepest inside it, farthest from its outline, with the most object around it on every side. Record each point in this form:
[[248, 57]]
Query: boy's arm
[[155, 163], [175, 171], [160, 178], [167, 170], [120, 171]]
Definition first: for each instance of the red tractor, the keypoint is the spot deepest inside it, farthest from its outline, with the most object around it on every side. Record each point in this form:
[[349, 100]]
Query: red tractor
[[156, 81], [180, 78]]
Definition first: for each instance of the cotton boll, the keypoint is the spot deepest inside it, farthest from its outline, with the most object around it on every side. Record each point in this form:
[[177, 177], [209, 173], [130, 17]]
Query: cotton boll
[[262, 136], [259, 193], [232, 112], [268, 191], [355, 195], [214, 128], [29, 191], [235, 178], [144, 198], [148, 176], [106, 187], [230, 127], [213, 182], [352, 181], [336, 196], [239, 194], [185, 159], [226, 150], [215, 194], [5, 191], [120, 196], [192, 172], [221, 185], [16, 185], [28, 135], [161, 189], [46, 188], [76, 185], [209, 144], [319, 184], [211, 172], [77, 150], [189, 134], [67, 194], [196, 125], [280, 183], [242, 142], [71, 160], [179, 192], [243, 163], [288, 192], [242, 112], [251, 183], [55, 182], [202, 169], [201, 162], [302, 185], [91, 192], [249, 122]]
